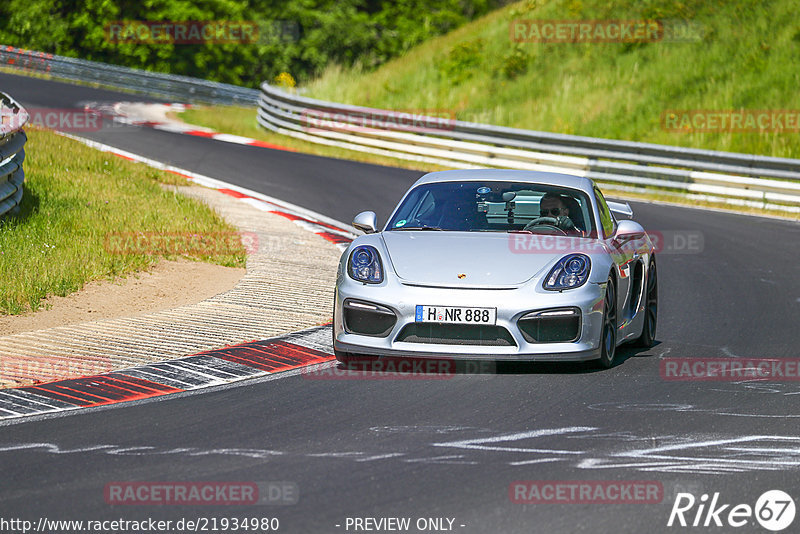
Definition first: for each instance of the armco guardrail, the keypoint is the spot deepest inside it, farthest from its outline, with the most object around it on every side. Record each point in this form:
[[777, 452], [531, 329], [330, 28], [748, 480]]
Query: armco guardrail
[[743, 179], [12, 140], [156, 84]]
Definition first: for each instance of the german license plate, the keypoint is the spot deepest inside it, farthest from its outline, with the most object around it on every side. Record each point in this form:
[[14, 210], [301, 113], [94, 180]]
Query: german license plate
[[455, 315]]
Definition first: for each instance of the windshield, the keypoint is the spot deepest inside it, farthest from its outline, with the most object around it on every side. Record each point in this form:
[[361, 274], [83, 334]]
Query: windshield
[[494, 206]]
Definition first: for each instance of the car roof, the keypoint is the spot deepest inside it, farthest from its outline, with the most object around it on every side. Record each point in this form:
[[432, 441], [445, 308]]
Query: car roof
[[509, 175]]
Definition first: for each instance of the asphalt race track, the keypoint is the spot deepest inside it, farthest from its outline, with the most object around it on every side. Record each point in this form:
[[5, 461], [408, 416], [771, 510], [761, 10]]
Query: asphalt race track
[[447, 448]]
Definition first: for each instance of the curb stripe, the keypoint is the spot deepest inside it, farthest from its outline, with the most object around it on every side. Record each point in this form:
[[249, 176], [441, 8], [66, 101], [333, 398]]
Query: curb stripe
[[335, 238], [152, 374], [120, 388], [199, 133], [277, 356], [264, 144], [202, 370], [148, 388], [54, 391], [26, 398], [234, 194], [220, 368], [294, 218], [10, 407], [68, 391], [113, 112]]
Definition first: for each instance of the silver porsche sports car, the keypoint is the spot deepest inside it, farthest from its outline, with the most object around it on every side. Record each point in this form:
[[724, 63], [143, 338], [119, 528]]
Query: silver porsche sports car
[[500, 265]]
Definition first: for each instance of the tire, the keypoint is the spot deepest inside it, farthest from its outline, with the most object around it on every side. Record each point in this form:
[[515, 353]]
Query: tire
[[608, 335], [648, 337]]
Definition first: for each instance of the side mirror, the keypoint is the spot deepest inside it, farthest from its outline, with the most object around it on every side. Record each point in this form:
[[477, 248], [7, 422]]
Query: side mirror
[[628, 230], [366, 221]]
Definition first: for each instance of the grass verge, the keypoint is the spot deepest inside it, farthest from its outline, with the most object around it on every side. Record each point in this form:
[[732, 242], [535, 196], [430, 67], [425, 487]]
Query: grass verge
[[76, 202]]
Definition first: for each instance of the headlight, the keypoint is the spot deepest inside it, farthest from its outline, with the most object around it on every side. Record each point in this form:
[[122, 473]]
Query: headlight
[[365, 265], [570, 272]]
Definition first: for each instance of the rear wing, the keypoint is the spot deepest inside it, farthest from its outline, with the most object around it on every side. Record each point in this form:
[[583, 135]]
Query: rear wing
[[622, 209]]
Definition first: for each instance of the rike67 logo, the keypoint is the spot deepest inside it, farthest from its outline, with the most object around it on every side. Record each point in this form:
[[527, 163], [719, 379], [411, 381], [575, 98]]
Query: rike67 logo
[[774, 510]]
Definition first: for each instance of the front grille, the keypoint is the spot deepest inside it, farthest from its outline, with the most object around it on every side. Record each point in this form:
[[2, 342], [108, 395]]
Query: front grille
[[543, 328], [456, 334]]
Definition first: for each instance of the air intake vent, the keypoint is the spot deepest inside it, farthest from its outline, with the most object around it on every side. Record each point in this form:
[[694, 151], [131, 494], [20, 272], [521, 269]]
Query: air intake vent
[[551, 326], [456, 334], [368, 319]]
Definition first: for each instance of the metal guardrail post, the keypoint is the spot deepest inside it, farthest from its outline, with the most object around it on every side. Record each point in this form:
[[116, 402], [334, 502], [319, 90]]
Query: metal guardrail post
[[744, 179], [166, 86]]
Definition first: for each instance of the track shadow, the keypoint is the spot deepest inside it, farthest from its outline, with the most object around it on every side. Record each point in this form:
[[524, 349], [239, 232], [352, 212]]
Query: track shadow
[[29, 204], [405, 367], [626, 352]]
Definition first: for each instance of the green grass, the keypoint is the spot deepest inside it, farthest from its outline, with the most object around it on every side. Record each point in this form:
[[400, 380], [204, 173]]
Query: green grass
[[76, 199], [747, 58]]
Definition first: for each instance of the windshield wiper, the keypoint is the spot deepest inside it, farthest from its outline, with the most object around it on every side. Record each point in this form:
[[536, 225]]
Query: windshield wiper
[[419, 228], [519, 232]]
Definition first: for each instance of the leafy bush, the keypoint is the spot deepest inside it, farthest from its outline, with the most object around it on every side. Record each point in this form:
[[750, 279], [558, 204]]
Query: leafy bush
[[300, 37], [462, 60], [514, 63]]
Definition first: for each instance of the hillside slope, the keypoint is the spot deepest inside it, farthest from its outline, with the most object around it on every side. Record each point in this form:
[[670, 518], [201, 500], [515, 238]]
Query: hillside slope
[[743, 55]]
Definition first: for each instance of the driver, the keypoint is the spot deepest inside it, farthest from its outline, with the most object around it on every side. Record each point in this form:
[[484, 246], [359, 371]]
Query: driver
[[554, 211]]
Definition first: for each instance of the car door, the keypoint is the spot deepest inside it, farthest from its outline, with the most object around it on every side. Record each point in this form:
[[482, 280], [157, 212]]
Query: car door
[[622, 254]]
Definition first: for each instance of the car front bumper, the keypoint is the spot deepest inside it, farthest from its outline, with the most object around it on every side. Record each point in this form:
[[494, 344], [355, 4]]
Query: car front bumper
[[511, 305]]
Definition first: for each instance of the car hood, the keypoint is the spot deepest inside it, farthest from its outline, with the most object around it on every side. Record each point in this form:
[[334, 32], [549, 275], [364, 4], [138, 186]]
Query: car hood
[[472, 259]]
